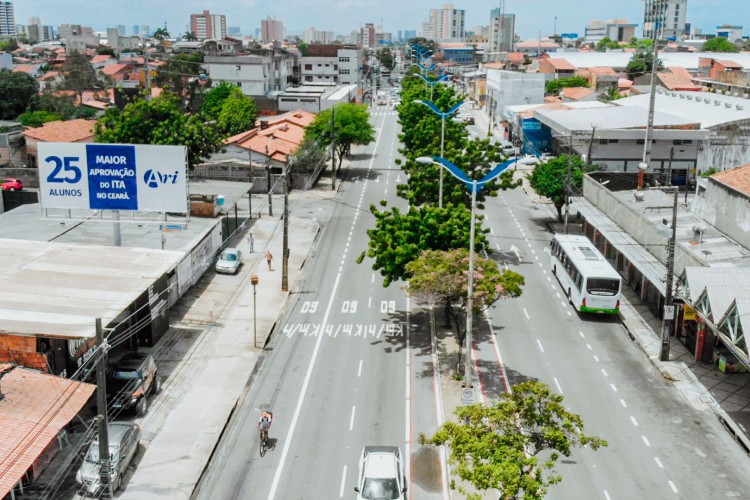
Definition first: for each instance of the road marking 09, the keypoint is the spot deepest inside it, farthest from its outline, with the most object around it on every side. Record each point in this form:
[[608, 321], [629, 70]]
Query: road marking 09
[[309, 306], [388, 306], [349, 306]]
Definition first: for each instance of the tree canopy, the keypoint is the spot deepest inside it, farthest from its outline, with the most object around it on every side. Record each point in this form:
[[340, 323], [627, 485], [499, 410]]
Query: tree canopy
[[38, 118], [719, 44], [498, 446], [16, 89], [350, 126], [607, 43], [180, 76], [549, 179], [160, 121], [642, 62], [238, 113], [214, 99], [554, 86], [78, 74], [399, 238]]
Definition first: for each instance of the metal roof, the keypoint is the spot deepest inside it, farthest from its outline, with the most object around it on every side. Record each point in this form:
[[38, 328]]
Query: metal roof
[[619, 60], [611, 117], [687, 106]]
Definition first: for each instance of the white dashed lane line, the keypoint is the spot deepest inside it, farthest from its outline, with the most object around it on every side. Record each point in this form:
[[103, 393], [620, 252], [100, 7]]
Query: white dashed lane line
[[658, 462], [559, 389], [671, 485], [359, 370], [635, 422], [526, 313], [539, 343], [623, 403], [613, 387], [645, 441]]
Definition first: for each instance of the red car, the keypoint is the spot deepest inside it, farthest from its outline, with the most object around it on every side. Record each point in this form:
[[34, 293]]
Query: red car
[[12, 185]]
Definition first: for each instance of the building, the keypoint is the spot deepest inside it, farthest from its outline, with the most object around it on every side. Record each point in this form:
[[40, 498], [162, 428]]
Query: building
[[312, 35], [121, 30], [367, 35], [271, 29], [730, 32], [207, 25], [79, 130], [81, 43], [665, 19], [316, 98], [135, 30], [409, 34], [457, 52], [505, 88], [65, 31], [501, 30], [234, 30], [447, 24], [7, 18], [256, 75], [337, 66], [36, 31], [11, 143], [618, 30]]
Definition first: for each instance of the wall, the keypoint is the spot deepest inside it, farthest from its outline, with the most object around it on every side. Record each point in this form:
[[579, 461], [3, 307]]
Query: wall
[[726, 209], [22, 351], [728, 146], [252, 74]]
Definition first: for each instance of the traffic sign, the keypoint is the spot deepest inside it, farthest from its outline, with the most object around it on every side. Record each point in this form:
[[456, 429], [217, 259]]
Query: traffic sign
[[669, 312], [467, 396]]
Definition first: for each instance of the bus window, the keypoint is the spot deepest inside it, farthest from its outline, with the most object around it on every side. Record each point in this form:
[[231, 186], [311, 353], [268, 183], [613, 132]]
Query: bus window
[[602, 286]]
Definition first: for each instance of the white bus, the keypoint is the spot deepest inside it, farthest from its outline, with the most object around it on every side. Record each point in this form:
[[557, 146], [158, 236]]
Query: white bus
[[590, 282]]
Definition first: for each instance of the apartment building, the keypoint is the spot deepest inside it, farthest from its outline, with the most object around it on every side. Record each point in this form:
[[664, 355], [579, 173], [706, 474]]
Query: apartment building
[[502, 29], [271, 29], [208, 26], [666, 18], [7, 19], [447, 24]]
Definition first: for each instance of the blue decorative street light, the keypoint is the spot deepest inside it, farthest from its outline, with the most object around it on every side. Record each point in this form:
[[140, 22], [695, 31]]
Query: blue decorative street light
[[442, 116], [432, 83], [475, 186]]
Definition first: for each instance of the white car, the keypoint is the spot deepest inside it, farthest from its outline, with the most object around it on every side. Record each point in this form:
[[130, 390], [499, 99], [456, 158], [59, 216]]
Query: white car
[[124, 438], [528, 160], [229, 261], [509, 150], [381, 474]]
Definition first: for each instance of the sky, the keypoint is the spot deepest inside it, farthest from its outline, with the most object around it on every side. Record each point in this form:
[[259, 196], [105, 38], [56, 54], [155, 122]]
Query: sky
[[343, 16]]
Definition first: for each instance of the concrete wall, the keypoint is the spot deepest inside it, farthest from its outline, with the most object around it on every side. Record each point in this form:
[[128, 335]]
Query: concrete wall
[[726, 209], [252, 74], [727, 147]]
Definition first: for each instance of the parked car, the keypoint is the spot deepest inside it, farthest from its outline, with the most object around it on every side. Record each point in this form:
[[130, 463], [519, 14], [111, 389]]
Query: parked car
[[467, 118], [123, 444], [509, 150], [546, 157], [381, 474], [229, 261], [528, 160], [131, 379], [12, 184]]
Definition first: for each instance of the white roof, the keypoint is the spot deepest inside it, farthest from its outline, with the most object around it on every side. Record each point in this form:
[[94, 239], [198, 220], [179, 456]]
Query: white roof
[[613, 117], [686, 105], [588, 259], [59, 289], [618, 60]]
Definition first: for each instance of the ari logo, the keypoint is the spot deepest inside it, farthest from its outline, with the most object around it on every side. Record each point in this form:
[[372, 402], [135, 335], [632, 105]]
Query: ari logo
[[154, 178]]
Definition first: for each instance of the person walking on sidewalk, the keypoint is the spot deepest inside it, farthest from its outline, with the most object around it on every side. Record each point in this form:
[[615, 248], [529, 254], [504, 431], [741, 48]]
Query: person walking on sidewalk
[[251, 242], [269, 259]]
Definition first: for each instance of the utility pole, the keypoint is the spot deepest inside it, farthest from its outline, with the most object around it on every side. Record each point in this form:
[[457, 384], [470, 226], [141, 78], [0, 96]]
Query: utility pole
[[250, 190], [333, 148], [591, 144], [285, 251], [651, 104], [567, 185], [668, 180], [101, 408], [668, 321], [268, 181], [470, 294]]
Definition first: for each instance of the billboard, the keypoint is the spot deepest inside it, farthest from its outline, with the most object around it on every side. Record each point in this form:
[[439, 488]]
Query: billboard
[[113, 177], [569, 36]]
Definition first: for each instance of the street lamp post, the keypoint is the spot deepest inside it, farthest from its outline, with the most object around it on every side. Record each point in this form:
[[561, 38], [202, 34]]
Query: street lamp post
[[432, 83], [442, 116], [254, 282], [475, 187]]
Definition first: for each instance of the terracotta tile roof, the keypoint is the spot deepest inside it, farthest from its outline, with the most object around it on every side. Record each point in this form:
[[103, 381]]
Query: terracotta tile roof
[[25, 68], [584, 73], [552, 105], [624, 83], [281, 138], [602, 71], [113, 69], [70, 131], [494, 65], [677, 78], [728, 64], [530, 44], [49, 75], [516, 57], [134, 60], [101, 58], [561, 64], [576, 93], [737, 178], [35, 408]]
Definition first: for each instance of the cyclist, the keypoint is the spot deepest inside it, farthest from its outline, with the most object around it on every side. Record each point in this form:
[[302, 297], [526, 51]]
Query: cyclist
[[266, 418]]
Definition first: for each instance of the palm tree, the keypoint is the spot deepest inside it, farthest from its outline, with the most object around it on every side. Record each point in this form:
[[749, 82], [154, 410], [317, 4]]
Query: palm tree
[[190, 37], [161, 34]]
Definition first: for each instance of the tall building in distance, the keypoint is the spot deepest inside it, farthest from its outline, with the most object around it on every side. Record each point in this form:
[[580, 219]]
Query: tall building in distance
[[271, 29], [367, 35], [121, 30], [311, 35], [618, 30], [447, 23], [136, 30], [145, 30], [665, 18], [7, 18], [36, 31], [502, 29], [207, 26]]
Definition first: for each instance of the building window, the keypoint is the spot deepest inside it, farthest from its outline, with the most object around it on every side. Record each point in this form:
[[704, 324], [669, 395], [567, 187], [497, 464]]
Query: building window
[[308, 78], [343, 72], [308, 67], [343, 59]]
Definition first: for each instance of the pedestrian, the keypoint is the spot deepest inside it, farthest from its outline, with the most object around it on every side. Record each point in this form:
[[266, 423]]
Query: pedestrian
[[269, 259], [251, 242]]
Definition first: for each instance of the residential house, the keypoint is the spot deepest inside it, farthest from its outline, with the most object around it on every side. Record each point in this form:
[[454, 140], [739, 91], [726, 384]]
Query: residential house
[[117, 71], [677, 78], [723, 70], [33, 70], [575, 94], [536, 47], [99, 61], [315, 98], [557, 67], [50, 81], [11, 143], [60, 131]]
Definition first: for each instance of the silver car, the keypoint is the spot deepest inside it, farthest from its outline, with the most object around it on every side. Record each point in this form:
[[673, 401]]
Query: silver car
[[381, 474], [229, 261], [123, 444]]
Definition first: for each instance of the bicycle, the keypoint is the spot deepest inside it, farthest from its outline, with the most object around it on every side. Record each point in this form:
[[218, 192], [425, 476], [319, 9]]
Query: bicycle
[[263, 425], [263, 441]]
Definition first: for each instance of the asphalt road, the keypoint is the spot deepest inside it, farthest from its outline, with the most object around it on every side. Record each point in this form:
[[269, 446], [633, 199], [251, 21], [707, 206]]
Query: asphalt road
[[659, 445], [350, 364]]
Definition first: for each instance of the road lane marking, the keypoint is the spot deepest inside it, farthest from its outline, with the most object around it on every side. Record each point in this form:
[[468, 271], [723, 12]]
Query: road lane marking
[[563, 303], [373, 278], [558, 385], [671, 485], [302, 394], [351, 419], [613, 387], [539, 343], [359, 370], [407, 406], [491, 231], [588, 346], [527, 314], [658, 462], [369, 302], [596, 358], [622, 402], [343, 482], [548, 278], [604, 372], [558, 295], [581, 334], [646, 441], [545, 272], [635, 422], [606, 495]]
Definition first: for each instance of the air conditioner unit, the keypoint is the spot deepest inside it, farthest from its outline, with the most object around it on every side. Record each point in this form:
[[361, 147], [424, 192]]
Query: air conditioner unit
[[728, 104], [717, 102], [740, 107], [698, 99]]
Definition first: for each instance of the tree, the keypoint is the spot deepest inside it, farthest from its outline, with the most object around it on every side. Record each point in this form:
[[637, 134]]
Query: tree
[[180, 76], [106, 51], [607, 43], [719, 44], [161, 34], [16, 89], [79, 75], [190, 37], [351, 126], [8, 45], [399, 238], [215, 99], [385, 57], [498, 446], [554, 86], [548, 179], [304, 49], [238, 113], [612, 93], [642, 62], [38, 118], [442, 277], [62, 105], [159, 121]]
